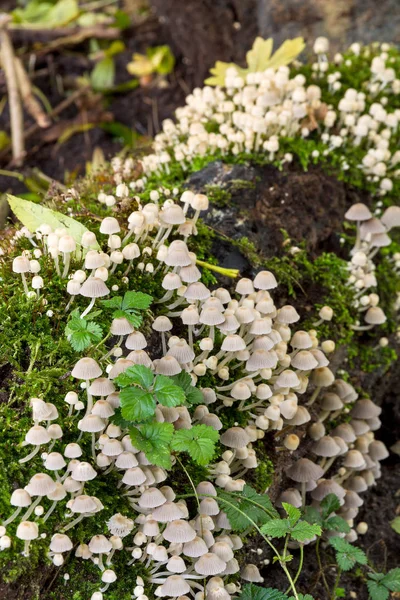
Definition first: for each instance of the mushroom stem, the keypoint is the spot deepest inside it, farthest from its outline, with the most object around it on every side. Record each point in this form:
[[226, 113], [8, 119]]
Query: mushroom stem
[[26, 548], [190, 336], [303, 494], [105, 587], [94, 446], [117, 345], [89, 404], [67, 260], [74, 522], [29, 456], [100, 564], [327, 465], [314, 396], [164, 343], [89, 308], [49, 512], [24, 283], [31, 509], [13, 516], [57, 265], [361, 327]]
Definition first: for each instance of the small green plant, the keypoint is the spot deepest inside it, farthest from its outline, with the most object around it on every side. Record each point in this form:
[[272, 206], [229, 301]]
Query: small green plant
[[141, 390], [129, 306], [82, 333]]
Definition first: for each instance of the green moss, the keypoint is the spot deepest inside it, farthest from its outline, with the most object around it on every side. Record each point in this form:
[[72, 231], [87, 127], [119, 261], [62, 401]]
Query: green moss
[[218, 195]]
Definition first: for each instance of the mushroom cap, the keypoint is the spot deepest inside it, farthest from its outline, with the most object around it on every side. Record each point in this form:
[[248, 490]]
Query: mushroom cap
[[161, 324], [66, 243], [99, 544], [365, 409], [20, 497], [172, 215], [40, 484], [83, 472], [136, 341], [358, 212], [21, 264], [121, 326], [91, 424], [346, 432], [251, 573], [287, 378], [94, 287], [377, 450], [265, 280], [37, 435], [304, 470], [101, 387], [179, 531], [195, 548], [330, 402], [391, 217], [151, 498], [83, 504], [326, 447], [375, 316], [325, 487], [121, 365], [135, 476], [287, 314], [235, 437], [209, 564], [27, 530], [290, 496], [174, 586], [94, 260], [304, 361], [86, 368], [354, 460], [182, 352], [60, 543], [322, 377], [262, 359], [301, 340], [168, 365], [103, 409], [109, 225]]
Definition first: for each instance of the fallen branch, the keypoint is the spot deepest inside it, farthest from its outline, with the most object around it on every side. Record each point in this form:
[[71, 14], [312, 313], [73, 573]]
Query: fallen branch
[[62, 36], [14, 100], [33, 107]]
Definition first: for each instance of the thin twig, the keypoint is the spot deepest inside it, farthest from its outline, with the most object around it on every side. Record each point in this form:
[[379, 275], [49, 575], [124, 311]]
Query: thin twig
[[33, 107], [14, 100]]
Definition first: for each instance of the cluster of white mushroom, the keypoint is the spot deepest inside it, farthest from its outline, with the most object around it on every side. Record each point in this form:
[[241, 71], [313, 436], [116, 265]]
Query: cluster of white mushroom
[[259, 361], [251, 114], [372, 235]]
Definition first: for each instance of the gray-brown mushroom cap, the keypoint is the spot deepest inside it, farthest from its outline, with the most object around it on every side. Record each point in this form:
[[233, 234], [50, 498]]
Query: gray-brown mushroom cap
[[304, 470]]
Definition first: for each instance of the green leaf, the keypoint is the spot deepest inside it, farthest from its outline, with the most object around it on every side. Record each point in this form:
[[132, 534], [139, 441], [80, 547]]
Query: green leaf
[[395, 524], [340, 592], [118, 419], [192, 393], [33, 215], [292, 512], [103, 75], [254, 506], [329, 505], [162, 59], [137, 405], [257, 58], [136, 375], [337, 524], [312, 515], [167, 393], [48, 14], [347, 555], [137, 300], [377, 591], [114, 302], [154, 439], [302, 597], [276, 528], [303, 531], [250, 591], [81, 333], [198, 442], [134, 318], [392, 580]]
